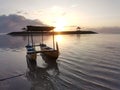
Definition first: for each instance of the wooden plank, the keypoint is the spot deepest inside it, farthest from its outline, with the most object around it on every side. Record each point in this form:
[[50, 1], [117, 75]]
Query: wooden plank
[[38, 52], [43, 51]]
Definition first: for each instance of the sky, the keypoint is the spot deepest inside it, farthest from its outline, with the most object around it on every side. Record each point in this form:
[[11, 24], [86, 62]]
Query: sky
[[84, 13]]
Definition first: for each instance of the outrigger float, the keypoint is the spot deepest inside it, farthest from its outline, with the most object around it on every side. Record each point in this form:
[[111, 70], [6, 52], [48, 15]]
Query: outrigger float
[[45, 50]]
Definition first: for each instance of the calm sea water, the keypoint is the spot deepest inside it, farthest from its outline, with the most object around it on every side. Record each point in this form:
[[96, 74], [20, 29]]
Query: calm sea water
[[86, 62]]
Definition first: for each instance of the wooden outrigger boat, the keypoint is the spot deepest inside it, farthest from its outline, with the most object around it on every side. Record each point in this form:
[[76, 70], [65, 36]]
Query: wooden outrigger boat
[[49, 52]]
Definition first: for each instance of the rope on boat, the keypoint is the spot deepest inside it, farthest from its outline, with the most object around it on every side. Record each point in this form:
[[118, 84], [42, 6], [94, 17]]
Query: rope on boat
[[3, 79]]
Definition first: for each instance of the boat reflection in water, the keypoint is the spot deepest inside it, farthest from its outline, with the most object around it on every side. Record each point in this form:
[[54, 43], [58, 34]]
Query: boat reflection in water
[[41, 78]]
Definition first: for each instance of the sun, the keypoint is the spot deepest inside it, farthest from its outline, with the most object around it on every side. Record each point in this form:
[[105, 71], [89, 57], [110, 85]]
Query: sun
[[60, 24]]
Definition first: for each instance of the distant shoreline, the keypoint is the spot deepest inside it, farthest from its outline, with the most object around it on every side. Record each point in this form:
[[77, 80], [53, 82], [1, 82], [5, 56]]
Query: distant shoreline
[[63, 32]]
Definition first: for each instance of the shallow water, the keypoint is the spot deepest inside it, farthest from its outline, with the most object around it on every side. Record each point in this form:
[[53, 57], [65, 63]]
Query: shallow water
[[86, 62]]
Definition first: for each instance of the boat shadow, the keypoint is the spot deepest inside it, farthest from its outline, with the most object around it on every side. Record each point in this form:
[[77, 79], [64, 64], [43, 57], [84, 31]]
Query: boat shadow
[[39, 77], [51, 64]]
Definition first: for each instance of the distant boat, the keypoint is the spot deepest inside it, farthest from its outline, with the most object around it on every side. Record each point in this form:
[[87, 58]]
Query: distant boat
[[50, 52]]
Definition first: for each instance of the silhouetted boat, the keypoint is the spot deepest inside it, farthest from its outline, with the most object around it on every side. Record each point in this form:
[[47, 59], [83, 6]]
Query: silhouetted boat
[[52, 53]]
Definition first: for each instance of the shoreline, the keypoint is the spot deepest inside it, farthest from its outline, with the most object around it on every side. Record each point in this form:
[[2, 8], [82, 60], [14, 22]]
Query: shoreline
[[62, 32]]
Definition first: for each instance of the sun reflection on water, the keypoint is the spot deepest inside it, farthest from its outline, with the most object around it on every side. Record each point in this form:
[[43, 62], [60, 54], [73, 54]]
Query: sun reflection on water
[[59, 38]]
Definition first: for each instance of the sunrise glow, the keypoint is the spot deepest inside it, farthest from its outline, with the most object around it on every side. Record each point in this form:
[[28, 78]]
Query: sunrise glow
[[60, 23]]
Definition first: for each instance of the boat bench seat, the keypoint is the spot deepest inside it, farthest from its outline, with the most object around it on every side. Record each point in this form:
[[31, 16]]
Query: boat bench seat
[[43, 45]]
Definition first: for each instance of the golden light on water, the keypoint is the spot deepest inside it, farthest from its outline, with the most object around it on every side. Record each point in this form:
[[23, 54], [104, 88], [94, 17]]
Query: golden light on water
[[59, 38]]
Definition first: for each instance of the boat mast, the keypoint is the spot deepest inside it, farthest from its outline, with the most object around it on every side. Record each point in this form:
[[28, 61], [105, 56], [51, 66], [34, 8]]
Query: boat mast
[[53, 41], [31, 38], [42, 36], [28, 38]]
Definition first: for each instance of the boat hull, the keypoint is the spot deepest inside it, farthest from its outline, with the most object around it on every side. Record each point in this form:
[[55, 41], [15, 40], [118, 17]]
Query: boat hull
[[49, 52], [32, 56], [31, 52]]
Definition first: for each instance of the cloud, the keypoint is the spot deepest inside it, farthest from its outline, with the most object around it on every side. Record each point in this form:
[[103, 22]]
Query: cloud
[[23, 12], [15, 22], [74, 5], [19, 12]]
